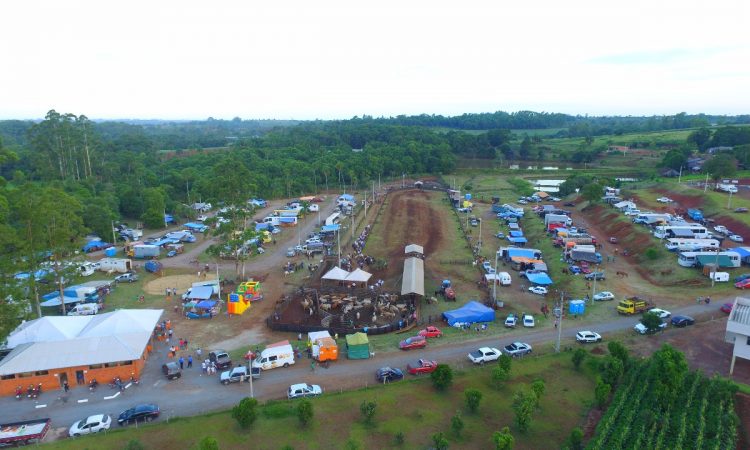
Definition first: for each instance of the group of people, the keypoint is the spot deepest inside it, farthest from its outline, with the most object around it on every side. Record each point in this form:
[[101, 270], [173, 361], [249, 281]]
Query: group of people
[[170, 292]]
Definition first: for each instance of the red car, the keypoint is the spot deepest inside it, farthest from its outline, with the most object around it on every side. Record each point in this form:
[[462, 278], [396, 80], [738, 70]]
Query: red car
[[744, 284], [726, 308], [431, 332], [421, 366], [413, 342]]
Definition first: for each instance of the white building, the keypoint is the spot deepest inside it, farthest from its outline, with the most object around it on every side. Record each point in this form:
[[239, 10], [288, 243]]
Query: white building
[[738, 330]]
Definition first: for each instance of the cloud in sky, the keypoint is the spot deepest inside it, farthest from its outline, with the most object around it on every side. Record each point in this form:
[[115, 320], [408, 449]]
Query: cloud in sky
[[337, 59]]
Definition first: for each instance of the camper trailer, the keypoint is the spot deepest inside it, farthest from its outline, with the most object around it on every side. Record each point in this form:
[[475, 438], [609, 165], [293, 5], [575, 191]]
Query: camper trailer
[[119, 265]]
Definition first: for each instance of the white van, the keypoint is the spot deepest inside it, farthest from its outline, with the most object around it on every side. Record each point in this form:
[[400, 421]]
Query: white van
[[313, 208], [86, 269], [275, 356], [84, 309], [504, 278]]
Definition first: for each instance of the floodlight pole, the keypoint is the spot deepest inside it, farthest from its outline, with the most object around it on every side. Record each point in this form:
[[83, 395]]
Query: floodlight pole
[[559, 324], [494, 281], [593, 288], [479, 242], [729, 203]]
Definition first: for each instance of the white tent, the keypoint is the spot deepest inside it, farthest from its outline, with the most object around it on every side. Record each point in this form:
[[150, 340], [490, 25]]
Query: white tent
[[358, 276], [414, 248], [336, 274], [413, 278]]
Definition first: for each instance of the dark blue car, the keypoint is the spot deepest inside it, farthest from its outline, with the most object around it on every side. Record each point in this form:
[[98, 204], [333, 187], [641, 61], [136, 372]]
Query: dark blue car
[[388, 374]]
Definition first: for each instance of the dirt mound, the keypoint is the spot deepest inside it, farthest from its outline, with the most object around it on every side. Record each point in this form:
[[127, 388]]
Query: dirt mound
[[181, 282], [733, 224], [685, 201]]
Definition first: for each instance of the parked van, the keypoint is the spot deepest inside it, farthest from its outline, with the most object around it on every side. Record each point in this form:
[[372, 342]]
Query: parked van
[[84, 309], [719, 276], [86, 269], [504, 278], [275, 356]]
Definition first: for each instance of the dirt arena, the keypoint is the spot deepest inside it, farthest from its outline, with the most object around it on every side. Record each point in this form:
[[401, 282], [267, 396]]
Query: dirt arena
[[181, 282]]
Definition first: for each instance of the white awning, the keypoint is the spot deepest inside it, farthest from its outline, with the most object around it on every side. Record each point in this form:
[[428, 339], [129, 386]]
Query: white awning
[[413, 279], [336, 274]]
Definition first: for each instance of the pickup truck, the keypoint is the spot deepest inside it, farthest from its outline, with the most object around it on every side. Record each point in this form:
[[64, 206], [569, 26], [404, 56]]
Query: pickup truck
[[239, 373], [634, 305]]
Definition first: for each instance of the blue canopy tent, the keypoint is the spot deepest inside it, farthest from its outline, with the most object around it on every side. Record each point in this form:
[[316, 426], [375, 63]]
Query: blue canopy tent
[[200, 292], [522, 252], [330, 228], [540, 278], [515, 233], [744, 253], [519, 241], [204, 309], [206, 304], [55, 301], [471, 312]]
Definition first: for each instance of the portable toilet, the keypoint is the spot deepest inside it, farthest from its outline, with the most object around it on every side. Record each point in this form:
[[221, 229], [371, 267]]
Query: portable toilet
[[577, 307], [110, 252], [467, 196]]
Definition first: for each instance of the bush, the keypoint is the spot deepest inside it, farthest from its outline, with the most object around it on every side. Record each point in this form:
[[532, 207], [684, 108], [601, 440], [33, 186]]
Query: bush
[[523, 405], [367, 408], [399, 438], [305, 412], [457, 423], [576, 439], [620, 352], [652, 254], [538, 388], [505, 361], [439, 442], [208, 443], [611, 370], [578, 356], [499, 376], [134, 444], [245, 412], [472, 397], [601, 392], [503, 439], [442, 377], [352, 444]]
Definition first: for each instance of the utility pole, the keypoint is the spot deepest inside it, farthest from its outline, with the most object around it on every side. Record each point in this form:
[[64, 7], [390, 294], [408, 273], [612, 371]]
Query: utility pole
[[114, 239], [679, 179], [318, 215], [479, 242], [187, 190], [705, 185], [559, 321], [494, 284], [338, 239], [593, 288], [365, 205], [729, 203], [716, 267]]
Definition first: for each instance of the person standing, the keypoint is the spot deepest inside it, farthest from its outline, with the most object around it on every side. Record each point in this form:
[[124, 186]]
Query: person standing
[[190, 361], [182, 362], [203, 367], [66, 388]]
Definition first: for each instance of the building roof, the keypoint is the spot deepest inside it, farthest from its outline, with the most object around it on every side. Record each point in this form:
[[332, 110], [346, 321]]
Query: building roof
[[358, 276], [740, 311], [57, 342], [337, 274], [413, 277], [414, 248]]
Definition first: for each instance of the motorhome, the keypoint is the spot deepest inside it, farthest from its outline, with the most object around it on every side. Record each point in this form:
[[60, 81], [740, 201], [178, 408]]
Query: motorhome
[[689, 231], [724, 259], [690, 245]]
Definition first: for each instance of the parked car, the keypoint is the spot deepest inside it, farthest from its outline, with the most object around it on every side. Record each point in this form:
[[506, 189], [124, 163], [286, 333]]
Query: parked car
[[145, 413], [500, 235], [569, 204], [742, 277], [413, 342], [517, 349], [633, 212], [91, 424], [528, 320], [511, 321], [726, 307], [238, 374], [604, 296], [483, 355], [303, 390], [662, 313], [290, 252], [664, 200], [682, 321], [171, 370], [574, 269], [588, 336], [202, 218], [127, 277], [523, 202], [431, 332], [595, 276], [388, 374], [221, 358], [539, 290], [421, 366], [740, 210], [613, 240], [735, 238], [721, 229], [641, 328], [554, 199], [744, 284]]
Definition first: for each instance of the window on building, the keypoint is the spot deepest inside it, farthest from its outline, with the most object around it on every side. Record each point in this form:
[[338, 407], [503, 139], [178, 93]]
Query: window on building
[[8, 377], [42, 372], [95, 366], [25, 374], [748, 340], [126, 363], [110, 364]]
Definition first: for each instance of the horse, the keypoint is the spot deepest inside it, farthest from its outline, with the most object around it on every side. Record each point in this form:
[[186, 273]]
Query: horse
[[622, 274]]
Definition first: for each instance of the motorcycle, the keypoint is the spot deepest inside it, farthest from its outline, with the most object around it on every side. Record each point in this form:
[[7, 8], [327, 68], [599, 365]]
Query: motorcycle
[[117, 384], [19, 393], [134, 380], [30, 392], [93, 385]]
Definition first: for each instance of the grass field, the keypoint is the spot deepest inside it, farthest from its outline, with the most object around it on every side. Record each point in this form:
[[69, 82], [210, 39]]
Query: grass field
[[411, 407]]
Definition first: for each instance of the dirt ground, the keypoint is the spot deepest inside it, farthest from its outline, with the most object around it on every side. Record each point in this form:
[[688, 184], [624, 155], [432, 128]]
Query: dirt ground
[[180, 282]]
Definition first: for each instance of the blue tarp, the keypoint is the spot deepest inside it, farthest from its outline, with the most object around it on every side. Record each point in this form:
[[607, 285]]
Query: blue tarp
[[94, 244], [522, 252], [262, 226], [38, 275], [346, 197], [515, 233], [201, 292], [744, 252], [517, 240], [165, 241], [541, 279], [471, 312], [168, 218], [56, 301], [330, 228], [195, 226], [206, 304]]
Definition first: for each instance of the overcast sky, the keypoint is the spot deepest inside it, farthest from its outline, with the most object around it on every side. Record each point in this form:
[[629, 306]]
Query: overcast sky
[[337, 59]]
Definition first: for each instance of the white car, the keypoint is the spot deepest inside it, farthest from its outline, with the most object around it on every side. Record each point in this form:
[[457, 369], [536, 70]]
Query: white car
[[641, 328], [735, 238], [483, 355], [554, 199], [511, 320], [202, 217], [603, 296], [664, 200], [528, 321], [538, 290], [303, 390], [91, 424], [633, 212], [523, 202], [721, 229], [313, 208], [588, 336], [661, 313]]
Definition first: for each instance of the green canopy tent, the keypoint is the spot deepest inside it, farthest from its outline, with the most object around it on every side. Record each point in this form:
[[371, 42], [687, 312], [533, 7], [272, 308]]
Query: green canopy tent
[[357, 346]]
